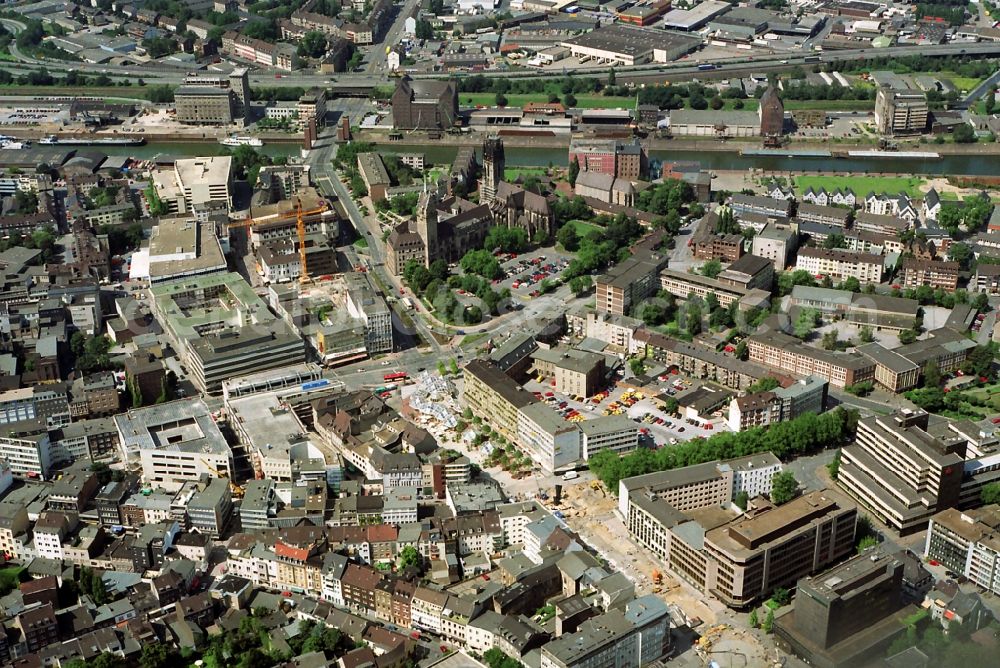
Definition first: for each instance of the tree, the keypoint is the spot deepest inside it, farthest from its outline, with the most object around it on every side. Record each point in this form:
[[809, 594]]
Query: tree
[[866, 335], [907, 336], [783, 487], [569, 100], [637, 366], [568, 238], [574, 169], [408, 557], [834, 467], [990, 493], [495, 658], [501, 100], [769, 621], [807, 321], [963, 134], [753, 619], [742, 350], [312, 45], [830, 340], [781, 596], [741, 499], [155, 655], [443, 370], [711, 269], [932, 374], [424, 29], [453, 365], [581, 285], [765, 384], [866, 543]]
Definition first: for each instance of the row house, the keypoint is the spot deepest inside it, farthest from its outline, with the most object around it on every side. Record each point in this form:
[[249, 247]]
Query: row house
[[358, 586], [883, 204], [427, 608], [474, 532], [838, 197]]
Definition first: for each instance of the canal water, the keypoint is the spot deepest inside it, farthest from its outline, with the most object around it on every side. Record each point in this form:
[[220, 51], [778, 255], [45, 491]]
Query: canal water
[[986, 165], [721, 160]]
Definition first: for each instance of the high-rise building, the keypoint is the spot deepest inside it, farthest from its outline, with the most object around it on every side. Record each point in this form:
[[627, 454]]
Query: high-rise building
[[493, 168], [849, 613], [899, 472], [900, 112]]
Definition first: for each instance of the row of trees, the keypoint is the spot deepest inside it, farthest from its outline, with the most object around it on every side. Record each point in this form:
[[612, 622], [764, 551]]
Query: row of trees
[[785, 440]]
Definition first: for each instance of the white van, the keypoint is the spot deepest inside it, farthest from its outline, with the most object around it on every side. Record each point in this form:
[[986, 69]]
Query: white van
[[570, 475]]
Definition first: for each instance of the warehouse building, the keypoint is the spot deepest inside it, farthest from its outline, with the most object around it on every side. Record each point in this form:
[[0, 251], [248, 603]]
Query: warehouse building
[[629, 45]]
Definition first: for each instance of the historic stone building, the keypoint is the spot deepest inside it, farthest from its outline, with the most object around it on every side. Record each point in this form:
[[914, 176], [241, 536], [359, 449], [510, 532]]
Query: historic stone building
[[424, 105], [772, 113]]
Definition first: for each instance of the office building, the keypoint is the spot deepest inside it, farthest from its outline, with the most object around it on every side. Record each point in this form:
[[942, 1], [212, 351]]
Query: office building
[[221, 328], [617, 433], [364, 304], [848, 614], [205, 100], [174, 442], [552, 442], [574, 372], [27, 450], [899, 472], [777, 243], [900, 112], [373, 174], [750, 272], [210, 509]]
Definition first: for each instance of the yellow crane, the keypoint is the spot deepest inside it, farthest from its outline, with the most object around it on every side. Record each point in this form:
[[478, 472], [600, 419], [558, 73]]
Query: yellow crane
[[299, 214], [237, 490]]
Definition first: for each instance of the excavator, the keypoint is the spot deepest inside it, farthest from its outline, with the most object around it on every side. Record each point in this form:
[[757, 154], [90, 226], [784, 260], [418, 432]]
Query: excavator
[[237, 490], [299, 214]]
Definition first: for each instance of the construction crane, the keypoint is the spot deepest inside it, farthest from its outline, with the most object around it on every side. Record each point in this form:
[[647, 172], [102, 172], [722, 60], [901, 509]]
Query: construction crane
[[237, 490], [299, 214]]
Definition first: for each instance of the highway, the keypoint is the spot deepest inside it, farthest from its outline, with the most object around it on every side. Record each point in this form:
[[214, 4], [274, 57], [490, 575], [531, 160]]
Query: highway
[[639, 74]]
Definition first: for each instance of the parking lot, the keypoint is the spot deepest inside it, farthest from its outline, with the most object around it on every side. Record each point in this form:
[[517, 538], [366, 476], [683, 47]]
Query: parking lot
[[657, 426], [524, 272]]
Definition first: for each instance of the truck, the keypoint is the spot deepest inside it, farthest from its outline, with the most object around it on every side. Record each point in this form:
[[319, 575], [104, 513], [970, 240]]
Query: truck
[[408, 303]]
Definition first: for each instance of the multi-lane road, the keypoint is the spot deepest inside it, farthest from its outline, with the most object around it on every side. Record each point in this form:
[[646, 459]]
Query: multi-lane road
[[375, 73]]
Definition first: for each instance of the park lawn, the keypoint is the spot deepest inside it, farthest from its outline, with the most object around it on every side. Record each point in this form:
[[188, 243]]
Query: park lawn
[[960, 82], [511, 173], [748, 105], [584, 228], [830, 105], [862, 185], [583, 101]]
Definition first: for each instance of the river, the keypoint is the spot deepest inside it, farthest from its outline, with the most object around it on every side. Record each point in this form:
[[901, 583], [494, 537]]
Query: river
[[190, 149]]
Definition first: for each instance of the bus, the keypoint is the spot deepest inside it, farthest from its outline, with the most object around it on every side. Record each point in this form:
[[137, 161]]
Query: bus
[[408, 303], [392, 377]]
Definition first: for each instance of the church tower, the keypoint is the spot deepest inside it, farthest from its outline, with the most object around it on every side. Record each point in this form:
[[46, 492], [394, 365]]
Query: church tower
[[427, 223], [493, 167]]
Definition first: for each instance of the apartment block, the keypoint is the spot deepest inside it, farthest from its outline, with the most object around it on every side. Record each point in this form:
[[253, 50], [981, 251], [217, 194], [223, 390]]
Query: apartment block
[[701, 361], [494, 396], [781, 351], [986, 279], [899, 472], [840, 264], [968, 543], [627, 284], [682, 285], [834, 216], [935, 273]]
